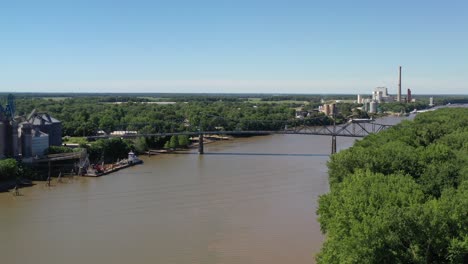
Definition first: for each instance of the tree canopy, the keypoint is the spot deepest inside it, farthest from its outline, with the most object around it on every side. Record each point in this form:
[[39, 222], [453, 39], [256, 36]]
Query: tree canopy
[[400, 196], [8, 169]]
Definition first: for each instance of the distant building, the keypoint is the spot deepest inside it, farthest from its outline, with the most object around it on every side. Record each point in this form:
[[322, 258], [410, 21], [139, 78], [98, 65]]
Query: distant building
[[328, 109], [377, 96], [382, 90], [431, 101], [380, 94], [301, 114], [359, 99], [322, 109], [47, 124], [101, 133], [373, 107], [408, 96], [123, 133]]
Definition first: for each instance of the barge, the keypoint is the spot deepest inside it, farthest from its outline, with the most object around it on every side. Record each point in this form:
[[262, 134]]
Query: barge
[[104, 169]]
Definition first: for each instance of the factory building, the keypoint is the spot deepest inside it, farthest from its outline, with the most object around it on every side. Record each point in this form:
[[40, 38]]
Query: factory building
[[328, 109], [47, 124], [380, 94], [27, 136]]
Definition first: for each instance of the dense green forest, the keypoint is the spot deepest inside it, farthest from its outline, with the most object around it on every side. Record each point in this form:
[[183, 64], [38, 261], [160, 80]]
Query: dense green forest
[[400, 196], [402, 107], [84, 116]]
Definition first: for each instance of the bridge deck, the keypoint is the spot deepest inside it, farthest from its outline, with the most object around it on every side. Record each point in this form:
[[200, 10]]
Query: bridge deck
[[351, 129]]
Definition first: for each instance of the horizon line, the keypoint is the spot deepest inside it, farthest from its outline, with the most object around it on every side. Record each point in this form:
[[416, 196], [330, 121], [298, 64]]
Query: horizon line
[[210, 93]]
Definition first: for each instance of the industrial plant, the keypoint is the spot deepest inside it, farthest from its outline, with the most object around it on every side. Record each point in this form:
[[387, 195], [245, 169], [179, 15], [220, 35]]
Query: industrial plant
[[380, 95], [27, 136]]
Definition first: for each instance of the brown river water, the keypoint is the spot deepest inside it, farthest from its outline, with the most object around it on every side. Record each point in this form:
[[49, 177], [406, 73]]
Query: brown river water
[[248, 200]]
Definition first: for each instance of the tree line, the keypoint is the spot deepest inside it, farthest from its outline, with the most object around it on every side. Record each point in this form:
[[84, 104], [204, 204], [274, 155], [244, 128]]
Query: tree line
[[12, 169], [400, 196], [85, 116]]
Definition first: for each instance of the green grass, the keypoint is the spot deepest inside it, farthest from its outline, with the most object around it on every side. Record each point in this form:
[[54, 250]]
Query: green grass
[[55, 98], [259, 101], [75, 140], [155, 99]]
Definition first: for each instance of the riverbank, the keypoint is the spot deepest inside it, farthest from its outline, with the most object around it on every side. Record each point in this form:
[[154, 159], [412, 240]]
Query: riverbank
[[389, 186], [108, 169], [8, 185]]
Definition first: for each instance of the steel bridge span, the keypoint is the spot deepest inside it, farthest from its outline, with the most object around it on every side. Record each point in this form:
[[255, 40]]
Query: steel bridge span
[[350, 129]]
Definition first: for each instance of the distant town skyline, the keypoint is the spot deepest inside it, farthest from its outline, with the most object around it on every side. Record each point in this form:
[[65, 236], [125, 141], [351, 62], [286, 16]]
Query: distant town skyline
[[305, 47]]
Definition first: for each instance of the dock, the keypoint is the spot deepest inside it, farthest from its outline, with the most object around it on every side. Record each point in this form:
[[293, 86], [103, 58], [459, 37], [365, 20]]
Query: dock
[[110, 169], [104, 169], [107, 171]]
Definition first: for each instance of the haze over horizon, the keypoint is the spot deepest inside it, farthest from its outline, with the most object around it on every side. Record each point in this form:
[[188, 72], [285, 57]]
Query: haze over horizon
[[233, 46]]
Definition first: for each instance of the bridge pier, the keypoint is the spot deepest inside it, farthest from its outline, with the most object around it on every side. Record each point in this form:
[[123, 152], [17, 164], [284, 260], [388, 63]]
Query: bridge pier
[[333, 146], [200, 144]]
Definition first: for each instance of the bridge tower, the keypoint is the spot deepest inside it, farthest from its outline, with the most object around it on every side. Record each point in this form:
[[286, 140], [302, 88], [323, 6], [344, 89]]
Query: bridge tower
[[200, 144], [333, 145]]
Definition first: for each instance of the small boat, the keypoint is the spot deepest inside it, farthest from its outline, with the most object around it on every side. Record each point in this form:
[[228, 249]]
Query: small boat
[[133, 159]]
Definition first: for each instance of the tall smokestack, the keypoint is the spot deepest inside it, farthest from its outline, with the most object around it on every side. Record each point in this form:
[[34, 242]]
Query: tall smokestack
[[399, 86]]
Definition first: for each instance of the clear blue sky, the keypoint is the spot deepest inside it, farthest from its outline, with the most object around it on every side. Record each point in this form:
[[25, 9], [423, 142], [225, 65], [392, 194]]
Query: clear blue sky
[[233, 46]]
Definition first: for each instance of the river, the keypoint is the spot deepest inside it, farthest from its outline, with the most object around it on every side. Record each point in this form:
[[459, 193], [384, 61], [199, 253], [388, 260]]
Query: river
[[248, 200]]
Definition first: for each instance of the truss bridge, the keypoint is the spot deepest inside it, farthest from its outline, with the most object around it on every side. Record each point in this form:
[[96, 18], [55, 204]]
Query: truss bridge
[[352, 128]]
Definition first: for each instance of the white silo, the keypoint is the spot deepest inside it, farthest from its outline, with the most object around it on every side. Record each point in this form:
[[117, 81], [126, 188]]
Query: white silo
[[373, 107]]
